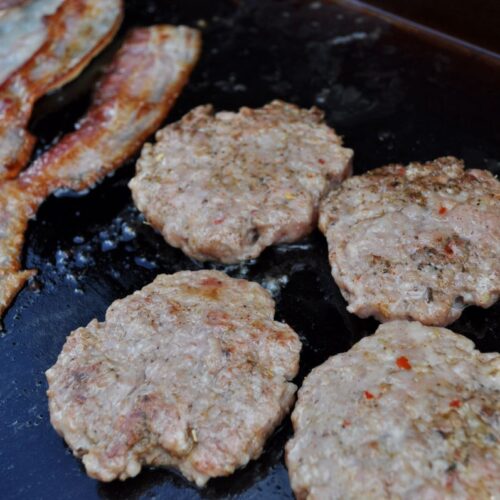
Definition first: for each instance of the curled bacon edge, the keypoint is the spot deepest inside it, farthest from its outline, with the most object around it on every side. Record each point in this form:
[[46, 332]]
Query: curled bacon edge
[[77, 32], [130, 102]]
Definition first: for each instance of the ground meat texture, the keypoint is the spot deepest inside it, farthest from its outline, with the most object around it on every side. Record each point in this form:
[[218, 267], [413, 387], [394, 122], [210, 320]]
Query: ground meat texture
[[224, 186], [410, 412], [191, 371], [420, 242]]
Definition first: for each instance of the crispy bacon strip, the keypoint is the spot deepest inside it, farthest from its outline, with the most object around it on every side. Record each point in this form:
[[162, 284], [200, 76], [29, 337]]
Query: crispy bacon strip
[[78, 31], [130, 102], [16, 208], [24, 28]]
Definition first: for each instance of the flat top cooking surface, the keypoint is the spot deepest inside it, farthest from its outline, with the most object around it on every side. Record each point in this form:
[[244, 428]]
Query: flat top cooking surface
[[393, 96]]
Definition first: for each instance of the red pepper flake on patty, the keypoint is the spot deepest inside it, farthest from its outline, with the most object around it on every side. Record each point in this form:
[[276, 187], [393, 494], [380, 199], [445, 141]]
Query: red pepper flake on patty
[[368, 395], [403, 363], [456, 403], [448, 249], [442, 210]]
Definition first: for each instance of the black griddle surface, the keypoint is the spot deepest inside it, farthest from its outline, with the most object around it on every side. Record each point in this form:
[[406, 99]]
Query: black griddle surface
[[393, 96]]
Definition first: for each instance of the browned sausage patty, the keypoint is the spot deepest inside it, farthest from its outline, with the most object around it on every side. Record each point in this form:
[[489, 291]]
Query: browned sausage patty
[[411, 412], [420, 242], [225, 186], [191, 371]]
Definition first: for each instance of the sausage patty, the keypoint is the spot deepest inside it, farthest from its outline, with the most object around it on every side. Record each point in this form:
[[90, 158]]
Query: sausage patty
[[225, 186], [410, 412], [191, 371], [420, 242]]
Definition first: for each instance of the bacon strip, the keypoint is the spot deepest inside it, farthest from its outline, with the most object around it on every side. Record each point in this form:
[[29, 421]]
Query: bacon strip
[[23, 30], [130, 102], [79, 30]]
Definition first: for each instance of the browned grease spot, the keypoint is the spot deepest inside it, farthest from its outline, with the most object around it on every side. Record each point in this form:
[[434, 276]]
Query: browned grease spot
[[175, 307], [281, 337], [218, 318], [211, 282], [210, 289], [259, 325]]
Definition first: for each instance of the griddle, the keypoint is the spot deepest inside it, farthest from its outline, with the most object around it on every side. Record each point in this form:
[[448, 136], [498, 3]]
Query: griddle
[[394, 95]]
